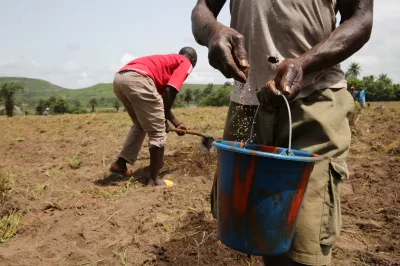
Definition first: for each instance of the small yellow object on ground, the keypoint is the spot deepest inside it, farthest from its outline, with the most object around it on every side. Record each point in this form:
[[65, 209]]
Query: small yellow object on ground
[[168, 183]]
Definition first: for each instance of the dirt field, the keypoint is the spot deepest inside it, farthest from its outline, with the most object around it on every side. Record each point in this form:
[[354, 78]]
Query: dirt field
[[54, 173]]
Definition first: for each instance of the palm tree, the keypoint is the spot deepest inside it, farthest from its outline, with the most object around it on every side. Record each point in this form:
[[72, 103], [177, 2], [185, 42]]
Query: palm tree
[[7, 93], [208, 90], [354, 70], [228, 84], [93, 103], [117, 105], [188, 96], [384, 78], [197, 95], [102, 101]]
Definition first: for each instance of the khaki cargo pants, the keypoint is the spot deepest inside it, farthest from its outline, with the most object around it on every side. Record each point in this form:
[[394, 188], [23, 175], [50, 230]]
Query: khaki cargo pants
[[145, 106], [320, 126]]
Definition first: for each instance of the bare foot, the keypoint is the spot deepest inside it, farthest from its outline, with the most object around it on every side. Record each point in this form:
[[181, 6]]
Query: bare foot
[[154, 183]]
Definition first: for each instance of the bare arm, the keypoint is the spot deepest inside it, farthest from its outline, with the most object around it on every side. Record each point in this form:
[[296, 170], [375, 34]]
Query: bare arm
[[353, 33], [204, 19], [169, 98], [226, 46]]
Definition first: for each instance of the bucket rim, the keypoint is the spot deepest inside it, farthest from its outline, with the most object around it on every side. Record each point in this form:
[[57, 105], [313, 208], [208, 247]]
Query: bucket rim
[[224, 145]]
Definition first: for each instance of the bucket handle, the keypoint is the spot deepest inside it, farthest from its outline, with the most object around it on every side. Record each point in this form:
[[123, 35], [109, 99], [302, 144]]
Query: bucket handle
[[287, 152]]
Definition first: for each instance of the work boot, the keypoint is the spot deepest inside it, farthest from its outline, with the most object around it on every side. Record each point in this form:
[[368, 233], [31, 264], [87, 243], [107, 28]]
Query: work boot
[[156, 161]]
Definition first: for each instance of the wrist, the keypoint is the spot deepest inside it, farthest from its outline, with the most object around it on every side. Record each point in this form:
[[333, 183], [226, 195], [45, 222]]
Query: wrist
[[215, 29], [303, 63]]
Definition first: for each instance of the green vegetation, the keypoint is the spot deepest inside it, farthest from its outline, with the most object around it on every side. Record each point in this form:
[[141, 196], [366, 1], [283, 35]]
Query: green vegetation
[[93, 103], [6, 184], [7, 96], [378, 89], [37, 91], [353, 71], [8, 226], [37, 95], [117, 105], [218, 97]]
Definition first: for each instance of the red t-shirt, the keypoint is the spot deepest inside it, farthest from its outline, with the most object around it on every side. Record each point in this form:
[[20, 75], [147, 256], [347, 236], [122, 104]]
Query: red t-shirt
[[170, 69]]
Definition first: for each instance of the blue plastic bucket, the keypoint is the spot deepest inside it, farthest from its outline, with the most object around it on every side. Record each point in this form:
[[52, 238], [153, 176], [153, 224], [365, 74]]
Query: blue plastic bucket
[[260, 193]]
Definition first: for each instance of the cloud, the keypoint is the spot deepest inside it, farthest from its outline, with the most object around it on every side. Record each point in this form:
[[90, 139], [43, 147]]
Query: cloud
[[19, 63], [126, 58], [84, 75], [380, 55], [72, 66], [73, 46], [84, 80]]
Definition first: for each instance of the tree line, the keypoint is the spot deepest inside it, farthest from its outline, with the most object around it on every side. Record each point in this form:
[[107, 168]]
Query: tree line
[[209, 96], [55, 105], [380, 88], [58, 105]]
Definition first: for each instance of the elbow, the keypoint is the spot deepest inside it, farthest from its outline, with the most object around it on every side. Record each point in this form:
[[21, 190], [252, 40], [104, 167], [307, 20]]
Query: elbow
[[367, 29]]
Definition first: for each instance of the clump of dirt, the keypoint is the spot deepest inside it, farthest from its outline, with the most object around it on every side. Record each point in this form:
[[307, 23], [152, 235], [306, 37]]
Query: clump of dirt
[[196, 243]]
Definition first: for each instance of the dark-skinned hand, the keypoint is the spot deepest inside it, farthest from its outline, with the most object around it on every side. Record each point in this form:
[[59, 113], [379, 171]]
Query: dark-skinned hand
[[227, 53], [181, 127], [288, 80]]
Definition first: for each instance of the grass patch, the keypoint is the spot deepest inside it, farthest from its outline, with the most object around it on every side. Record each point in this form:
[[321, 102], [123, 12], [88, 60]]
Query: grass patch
[[19, 139], [8, 226], [124, 259], [114, 193], [75, 162], [37, 192], [6, 184]]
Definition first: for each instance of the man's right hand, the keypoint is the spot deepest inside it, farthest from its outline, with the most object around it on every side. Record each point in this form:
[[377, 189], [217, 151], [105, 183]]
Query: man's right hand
[[227, 53]]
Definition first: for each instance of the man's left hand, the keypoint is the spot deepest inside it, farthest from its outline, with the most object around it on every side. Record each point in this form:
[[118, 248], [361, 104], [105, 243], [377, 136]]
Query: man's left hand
[[183, 128], [288, 80]]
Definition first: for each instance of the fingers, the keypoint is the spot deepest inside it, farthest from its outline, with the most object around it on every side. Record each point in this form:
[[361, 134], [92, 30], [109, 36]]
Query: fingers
[[239, 52], [288, 79], [230, 58], [221, 59], [183, 130], [269, 95]]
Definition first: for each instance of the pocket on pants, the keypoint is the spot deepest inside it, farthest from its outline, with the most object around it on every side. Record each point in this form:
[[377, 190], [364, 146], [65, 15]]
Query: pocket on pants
[[331, 220]]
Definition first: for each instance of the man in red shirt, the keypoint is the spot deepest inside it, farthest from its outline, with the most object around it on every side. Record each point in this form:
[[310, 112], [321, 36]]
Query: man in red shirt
[[147, 88]]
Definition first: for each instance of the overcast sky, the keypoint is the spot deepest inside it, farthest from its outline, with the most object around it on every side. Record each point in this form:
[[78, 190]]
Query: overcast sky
[[78, 43]]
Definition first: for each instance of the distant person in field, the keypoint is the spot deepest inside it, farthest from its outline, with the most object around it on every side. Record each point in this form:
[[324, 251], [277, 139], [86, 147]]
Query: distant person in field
[[362, 98], [46, 112], [397, 93], [147, 88], [292, 47], [354, 93]]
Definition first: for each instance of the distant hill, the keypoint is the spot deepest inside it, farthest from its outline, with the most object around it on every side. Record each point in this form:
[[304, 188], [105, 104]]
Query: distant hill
[[36, 89]]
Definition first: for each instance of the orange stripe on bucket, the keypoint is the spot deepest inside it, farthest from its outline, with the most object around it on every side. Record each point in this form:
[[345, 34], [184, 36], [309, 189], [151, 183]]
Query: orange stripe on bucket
[[240, 193], [269, 149]]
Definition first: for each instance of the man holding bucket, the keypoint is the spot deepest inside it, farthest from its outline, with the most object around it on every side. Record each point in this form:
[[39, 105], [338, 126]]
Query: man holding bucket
[[291, 47]]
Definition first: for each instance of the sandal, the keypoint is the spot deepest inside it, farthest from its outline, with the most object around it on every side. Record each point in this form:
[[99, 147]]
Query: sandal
[[114, 168]]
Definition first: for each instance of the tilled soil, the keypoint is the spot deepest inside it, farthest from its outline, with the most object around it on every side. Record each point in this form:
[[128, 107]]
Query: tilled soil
[[75, 213]]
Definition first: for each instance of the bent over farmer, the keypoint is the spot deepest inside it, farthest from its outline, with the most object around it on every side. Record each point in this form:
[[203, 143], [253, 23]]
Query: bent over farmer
[[291, 47], [147, 88]]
